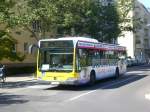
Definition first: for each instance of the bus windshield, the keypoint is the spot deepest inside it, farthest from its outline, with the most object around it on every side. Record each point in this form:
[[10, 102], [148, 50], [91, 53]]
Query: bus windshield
[[56, 58]]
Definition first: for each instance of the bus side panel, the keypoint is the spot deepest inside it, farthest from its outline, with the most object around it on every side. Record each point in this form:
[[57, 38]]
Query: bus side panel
[[101, 72], [84, 75], [105, 71], [122, 66]]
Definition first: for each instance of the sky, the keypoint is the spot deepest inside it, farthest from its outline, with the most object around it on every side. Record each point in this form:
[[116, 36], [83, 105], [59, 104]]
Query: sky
[[146, 3]]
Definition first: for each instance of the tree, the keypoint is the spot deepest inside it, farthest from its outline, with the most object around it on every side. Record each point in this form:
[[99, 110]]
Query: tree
[[6, 41], [90, 18], [72, 17], [109, 25], [7, 47], [124, 9], [64, 17]]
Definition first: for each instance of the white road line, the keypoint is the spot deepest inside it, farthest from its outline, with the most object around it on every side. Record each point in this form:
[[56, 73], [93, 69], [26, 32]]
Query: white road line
[[147, 96], [76, 97], [87, 93]]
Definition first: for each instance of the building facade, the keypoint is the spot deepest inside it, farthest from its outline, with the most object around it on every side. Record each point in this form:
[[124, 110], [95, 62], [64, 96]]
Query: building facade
[[137, 41]]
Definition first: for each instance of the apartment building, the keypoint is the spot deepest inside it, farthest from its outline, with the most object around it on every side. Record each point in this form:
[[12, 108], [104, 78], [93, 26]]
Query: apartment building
[[137, 42]]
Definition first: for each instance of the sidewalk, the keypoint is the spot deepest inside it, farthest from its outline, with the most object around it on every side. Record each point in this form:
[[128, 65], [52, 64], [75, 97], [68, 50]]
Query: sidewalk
[[17, 82], [20, 78]]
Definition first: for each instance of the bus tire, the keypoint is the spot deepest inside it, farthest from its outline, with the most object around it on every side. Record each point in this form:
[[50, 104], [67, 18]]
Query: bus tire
[[117, 74], [92, 78]]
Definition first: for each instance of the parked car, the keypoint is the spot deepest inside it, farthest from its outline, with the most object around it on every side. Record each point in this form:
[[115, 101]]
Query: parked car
[[129, 62], [134, 62]]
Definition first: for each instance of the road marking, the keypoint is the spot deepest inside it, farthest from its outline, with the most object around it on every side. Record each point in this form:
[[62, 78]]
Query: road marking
[[147, 96], [135, 72], [76, 97], [103, 87]]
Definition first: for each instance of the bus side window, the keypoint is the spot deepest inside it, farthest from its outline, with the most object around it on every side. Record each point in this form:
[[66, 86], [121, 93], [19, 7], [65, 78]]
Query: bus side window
[[83, 57], [78, 54], [95, 58], [102, 57]]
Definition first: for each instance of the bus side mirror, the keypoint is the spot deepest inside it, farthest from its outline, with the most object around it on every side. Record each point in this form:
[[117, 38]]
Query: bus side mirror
[[32, 48]]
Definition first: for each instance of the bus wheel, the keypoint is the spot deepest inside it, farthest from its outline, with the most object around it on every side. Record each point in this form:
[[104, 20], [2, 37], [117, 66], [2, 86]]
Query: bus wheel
[[117, 73], [92, 78]]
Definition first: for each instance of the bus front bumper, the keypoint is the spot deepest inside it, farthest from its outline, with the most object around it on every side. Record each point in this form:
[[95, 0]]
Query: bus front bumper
[[71, 81]]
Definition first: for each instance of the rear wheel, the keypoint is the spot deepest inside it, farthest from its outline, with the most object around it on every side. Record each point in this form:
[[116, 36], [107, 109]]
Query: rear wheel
[[92, 78], [117, 73]]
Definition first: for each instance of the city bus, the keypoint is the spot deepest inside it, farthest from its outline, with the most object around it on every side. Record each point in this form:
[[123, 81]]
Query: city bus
[[78, 60]]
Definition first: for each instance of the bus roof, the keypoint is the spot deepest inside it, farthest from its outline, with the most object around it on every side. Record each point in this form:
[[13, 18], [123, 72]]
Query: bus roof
[[85, 42], [73, 38], [80, 39]]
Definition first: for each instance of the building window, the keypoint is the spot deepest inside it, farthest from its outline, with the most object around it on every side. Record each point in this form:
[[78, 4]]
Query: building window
[[25, 47], [145, 20], [36, 26], [146, 43], [146, 31], [138, 41], [14, 48]]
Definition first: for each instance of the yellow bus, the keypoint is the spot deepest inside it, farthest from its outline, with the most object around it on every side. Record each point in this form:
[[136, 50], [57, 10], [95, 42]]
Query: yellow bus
[[78, 60]]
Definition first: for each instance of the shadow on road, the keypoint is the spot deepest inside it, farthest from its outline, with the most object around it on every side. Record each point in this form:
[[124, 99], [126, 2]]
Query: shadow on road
[[21, 84], [8, 99], [110, 83]]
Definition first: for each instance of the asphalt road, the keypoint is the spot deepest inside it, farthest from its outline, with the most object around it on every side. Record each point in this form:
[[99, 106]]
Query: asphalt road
[[129, 93]]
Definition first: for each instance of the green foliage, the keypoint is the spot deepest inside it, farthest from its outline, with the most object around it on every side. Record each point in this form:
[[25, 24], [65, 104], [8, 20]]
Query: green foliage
[[109, 23], [7, 43], [124, 8], [6, 13], [7, 47], [66, 17], [70, 17], [79, 17]]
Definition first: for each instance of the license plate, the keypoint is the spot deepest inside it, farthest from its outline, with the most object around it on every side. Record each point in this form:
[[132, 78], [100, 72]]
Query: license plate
[[55, 82]]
